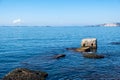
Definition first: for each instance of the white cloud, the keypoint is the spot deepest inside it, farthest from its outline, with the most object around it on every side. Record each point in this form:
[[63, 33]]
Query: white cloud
[[16, 21]]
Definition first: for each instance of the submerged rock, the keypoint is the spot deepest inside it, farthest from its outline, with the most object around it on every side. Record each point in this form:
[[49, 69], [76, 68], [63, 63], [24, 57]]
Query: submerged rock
[[25, 74], [88, 48], [115, 43], [93, 55], [82, 49], [72, 49], [59, 56]]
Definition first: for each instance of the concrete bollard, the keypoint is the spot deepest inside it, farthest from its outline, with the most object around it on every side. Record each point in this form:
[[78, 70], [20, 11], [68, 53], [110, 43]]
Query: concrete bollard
[[89, 42], [87, 45]]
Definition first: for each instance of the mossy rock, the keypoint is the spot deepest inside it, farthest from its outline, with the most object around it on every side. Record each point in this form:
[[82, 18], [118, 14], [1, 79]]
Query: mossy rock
[[92, 55], [25, 74]]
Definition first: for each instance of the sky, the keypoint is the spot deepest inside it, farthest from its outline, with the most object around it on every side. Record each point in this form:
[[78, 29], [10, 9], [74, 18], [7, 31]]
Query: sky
[[59, 12]]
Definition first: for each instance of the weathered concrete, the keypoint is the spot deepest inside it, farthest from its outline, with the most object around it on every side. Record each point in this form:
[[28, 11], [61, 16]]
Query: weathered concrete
[[59, 56], [25, 74], [89, 42]]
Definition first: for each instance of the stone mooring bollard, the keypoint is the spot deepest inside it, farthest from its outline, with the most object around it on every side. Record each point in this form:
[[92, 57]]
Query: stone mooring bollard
[[87, 45], [88, 48], [89, 42]]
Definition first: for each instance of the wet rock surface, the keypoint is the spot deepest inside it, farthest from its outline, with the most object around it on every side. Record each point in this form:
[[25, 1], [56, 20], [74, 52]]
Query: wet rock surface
[[86, 52], [92, 55], [59, 56], [25, 74], [82, 49], [115, 43], [71, 49]]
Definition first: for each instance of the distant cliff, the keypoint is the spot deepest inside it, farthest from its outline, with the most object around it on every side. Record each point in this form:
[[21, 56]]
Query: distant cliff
[[110, 25]]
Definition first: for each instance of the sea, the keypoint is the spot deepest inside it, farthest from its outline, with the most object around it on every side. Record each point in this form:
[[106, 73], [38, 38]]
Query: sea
[[34, 48]]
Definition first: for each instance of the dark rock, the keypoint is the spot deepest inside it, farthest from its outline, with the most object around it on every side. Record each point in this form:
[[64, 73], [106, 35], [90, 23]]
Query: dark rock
[[71, 49], [25, 74], [82, 49], [93, 55], [115, 43], [59, 56]]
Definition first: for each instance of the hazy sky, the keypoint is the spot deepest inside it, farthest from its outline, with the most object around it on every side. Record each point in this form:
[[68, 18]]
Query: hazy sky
[[58, 12]]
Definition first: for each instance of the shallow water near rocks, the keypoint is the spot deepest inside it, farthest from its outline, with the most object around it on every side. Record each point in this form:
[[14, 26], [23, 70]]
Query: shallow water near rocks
[[34, 48]]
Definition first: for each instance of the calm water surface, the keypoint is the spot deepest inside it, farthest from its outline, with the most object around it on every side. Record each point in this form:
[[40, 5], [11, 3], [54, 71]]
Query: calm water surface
[[34, 48]]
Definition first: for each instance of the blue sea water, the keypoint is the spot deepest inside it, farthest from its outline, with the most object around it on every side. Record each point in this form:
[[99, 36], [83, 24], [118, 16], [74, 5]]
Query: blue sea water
[[34, 48]]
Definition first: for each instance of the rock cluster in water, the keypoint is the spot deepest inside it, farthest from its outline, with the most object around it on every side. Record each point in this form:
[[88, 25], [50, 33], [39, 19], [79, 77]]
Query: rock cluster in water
[[25, 74], [88, 48]]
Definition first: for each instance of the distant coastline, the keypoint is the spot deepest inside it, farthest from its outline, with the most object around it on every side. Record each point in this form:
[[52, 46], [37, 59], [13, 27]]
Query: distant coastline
[[99, 25], [107, 25]]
